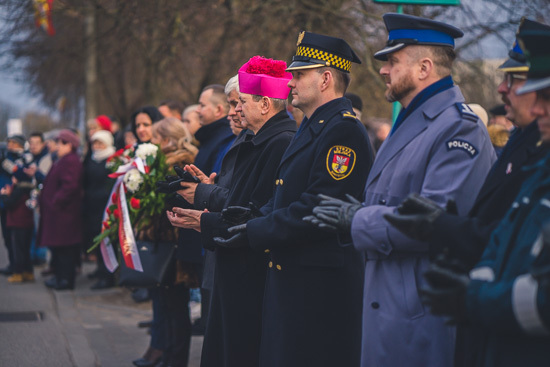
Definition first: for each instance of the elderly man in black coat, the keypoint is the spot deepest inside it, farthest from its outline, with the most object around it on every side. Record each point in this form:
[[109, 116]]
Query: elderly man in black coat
[[234, 327]]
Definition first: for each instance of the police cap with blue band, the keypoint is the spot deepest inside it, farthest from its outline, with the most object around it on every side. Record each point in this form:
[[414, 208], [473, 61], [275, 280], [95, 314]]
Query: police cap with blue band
[[535, 42], [517, 61], [317, 50], [405, 30]]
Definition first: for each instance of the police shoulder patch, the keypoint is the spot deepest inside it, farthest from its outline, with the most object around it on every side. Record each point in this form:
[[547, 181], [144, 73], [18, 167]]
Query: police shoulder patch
[[462, 145], [340, 161], [466, 112]]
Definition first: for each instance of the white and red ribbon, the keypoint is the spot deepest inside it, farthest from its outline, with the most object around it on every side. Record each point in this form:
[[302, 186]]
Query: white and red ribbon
[[125, 231], [136, 163], [126, 234], [106, 247]]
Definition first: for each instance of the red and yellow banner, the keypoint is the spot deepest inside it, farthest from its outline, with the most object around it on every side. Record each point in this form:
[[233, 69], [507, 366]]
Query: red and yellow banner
[[43, 15]]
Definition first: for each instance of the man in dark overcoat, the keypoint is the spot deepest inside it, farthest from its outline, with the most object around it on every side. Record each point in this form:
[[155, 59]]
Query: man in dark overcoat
[[233, 331], [312, 302]]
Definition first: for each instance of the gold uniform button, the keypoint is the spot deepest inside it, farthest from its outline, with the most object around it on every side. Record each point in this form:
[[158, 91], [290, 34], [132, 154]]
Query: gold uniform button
[[278, 267], [281, 181], [266, 250], [271, 264], [277, 182]]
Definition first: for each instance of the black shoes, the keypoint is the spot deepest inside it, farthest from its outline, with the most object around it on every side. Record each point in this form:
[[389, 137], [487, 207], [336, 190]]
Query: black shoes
[[140, 295], [103, 284], [151, 358], [144, 324], [7, 271], [58, 284]]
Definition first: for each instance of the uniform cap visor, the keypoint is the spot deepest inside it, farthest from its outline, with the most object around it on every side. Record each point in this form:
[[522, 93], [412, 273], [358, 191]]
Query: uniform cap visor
[[382, 54], [514, 66], [532, 85], [298, 65]]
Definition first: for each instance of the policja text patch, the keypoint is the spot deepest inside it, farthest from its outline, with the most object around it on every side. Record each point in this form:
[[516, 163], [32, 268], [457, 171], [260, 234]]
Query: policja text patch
[[462, 145], [340, 161]]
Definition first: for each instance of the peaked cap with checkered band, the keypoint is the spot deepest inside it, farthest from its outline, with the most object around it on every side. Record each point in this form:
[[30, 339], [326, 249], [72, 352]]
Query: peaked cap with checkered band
[[316, 50]]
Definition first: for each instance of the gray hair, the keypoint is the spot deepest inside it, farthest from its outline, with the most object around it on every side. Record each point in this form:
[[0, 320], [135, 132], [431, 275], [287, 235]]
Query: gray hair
[[189, 109], [232, 84]]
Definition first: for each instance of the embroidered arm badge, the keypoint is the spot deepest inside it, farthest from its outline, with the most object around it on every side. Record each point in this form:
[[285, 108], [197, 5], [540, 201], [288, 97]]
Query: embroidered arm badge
[[340, 161]]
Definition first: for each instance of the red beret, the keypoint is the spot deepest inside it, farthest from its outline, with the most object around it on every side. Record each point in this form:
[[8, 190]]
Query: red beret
[[104, 122]]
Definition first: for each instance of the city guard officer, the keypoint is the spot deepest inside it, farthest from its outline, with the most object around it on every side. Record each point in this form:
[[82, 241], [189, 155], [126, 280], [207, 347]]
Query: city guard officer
[[438, 148], [312, 302]]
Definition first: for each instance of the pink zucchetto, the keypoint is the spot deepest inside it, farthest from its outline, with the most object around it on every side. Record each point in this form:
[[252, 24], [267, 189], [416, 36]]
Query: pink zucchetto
[[264, 77]]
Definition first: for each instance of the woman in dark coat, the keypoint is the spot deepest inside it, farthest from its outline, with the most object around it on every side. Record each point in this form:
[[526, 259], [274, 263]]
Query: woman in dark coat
[[97, 190], [171, 302], [60, 211]]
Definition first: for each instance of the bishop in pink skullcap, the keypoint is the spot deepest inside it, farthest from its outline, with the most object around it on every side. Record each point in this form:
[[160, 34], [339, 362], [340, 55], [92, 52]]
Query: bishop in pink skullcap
[[264, 77]]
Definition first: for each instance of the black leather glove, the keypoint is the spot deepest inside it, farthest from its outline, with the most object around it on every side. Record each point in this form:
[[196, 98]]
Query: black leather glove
[[416, 215], [235, 215], [445, 293], [172, 183], [540, 269], [334, 215], [239, 238]]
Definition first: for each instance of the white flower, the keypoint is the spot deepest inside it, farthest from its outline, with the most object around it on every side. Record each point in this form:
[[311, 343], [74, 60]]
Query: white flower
[[132, 180], [147, 149]]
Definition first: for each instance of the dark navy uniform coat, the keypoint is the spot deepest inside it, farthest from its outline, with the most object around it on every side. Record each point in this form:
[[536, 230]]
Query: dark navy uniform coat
[[503, 298], [442, 151], [467, 237], [312, 302]]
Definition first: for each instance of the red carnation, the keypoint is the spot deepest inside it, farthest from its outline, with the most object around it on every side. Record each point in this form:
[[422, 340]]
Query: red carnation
[[261, 65], [106, 225], [118, 153], [108, 211], [116, 213], [147, 169], [114, 197], [134, 203]]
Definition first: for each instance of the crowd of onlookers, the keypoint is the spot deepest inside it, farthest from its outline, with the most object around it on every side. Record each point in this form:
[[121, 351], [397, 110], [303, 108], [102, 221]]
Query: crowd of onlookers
[[55, 185]]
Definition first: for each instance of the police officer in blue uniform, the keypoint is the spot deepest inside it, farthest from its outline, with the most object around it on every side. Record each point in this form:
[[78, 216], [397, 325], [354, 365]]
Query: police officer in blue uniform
[[508, 295], [437, 148], [313, 295]]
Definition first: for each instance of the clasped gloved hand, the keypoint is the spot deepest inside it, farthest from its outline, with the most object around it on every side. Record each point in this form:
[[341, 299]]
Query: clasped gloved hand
[[540, 269], [235, 215], [416, 215], [172, 183], [239, 238], [445, 292], [334, 215]]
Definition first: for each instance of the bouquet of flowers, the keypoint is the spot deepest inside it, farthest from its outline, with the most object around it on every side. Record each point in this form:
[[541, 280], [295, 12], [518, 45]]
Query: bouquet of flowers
[[133, 201]]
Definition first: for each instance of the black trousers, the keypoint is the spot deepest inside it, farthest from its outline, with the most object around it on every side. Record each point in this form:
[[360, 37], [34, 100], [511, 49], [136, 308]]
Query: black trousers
[[21, 239], [174, 303], [6, 233], [64, 262]]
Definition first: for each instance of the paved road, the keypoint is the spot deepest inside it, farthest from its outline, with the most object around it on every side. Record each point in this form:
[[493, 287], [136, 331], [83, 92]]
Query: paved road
[[77, 328]]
